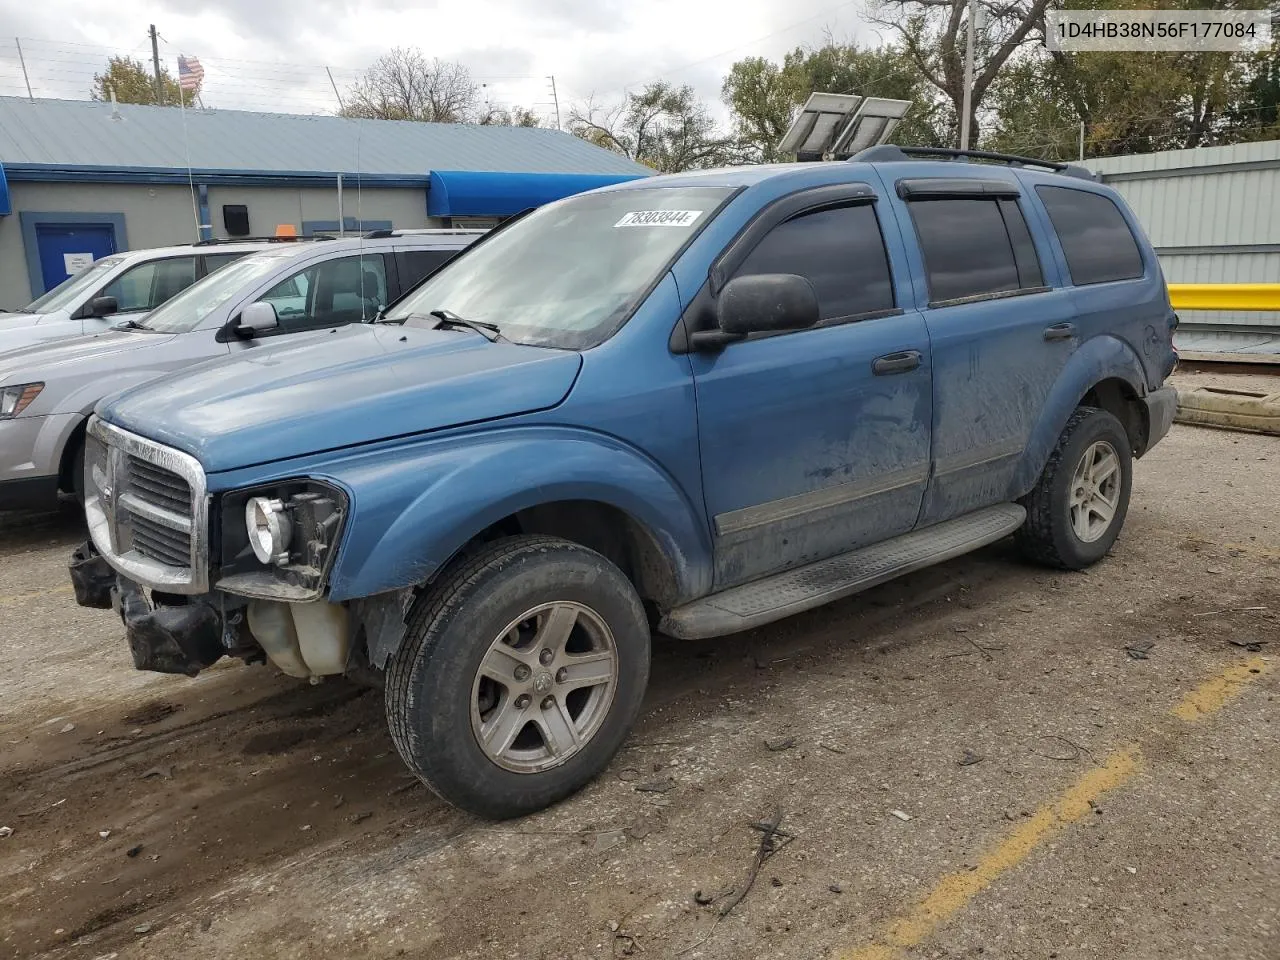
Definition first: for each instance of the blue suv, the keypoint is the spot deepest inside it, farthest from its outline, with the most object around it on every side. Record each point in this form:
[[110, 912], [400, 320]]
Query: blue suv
[[693, 404]]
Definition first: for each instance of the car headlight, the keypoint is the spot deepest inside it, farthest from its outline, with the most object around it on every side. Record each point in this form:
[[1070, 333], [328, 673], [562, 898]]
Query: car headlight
[[278, 540], [17, 397], [270, 530]]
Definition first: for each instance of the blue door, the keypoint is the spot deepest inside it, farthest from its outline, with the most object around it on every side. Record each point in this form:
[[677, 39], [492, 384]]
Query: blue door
[[67, 248], [1000, 334], [815, 442]]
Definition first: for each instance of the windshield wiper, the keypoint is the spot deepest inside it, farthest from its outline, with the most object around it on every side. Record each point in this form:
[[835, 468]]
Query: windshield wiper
[[489, 331], [129, 325]]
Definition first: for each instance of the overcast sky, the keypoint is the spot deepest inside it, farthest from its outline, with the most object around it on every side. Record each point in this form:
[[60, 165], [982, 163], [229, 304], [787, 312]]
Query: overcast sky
[[270, 54]]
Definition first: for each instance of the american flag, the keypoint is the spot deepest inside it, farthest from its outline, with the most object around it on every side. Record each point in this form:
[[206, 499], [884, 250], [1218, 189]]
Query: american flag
[[190, 73]]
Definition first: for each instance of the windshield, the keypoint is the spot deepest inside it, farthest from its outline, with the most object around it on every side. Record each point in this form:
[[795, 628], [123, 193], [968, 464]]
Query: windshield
[[569, 274], [189, 308], [70, 290]]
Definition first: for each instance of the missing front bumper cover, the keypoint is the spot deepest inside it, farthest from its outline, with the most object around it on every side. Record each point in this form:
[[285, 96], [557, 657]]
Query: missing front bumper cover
[[168, 639], [92, 577]]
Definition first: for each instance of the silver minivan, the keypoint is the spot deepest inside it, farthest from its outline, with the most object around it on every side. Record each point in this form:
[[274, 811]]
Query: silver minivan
[[48, 391]]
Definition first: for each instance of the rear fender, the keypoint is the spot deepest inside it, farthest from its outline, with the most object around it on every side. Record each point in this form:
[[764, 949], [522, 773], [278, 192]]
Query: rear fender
[[1100, 358], [413, 511]]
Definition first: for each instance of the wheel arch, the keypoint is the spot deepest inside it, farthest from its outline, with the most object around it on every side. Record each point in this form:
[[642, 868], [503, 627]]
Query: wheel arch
[[1104, 372], [587, 489]]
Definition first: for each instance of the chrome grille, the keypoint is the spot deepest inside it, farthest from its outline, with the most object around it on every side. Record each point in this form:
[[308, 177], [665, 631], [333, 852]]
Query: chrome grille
[[158, 542], [159, 486], [147, 509]]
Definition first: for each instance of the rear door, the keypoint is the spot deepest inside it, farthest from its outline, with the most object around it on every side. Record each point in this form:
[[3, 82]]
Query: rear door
[[1001, 329]]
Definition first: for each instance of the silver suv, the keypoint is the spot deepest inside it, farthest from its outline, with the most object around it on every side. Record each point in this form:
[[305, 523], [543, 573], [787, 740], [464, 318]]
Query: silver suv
[[116, 288], [48, 391]]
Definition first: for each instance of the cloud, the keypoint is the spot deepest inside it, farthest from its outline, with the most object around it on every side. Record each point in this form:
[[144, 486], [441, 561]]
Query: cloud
[[270, 54]]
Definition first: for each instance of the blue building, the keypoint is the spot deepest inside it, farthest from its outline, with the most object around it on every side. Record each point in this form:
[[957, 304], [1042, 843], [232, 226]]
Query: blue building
[[81, 179]]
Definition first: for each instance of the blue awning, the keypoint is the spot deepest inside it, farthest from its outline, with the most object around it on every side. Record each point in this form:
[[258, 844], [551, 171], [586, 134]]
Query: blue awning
[[484, 194], [5, 205]]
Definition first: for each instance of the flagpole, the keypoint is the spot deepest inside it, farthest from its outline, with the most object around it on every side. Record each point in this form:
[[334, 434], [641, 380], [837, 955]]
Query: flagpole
[[186, 145]]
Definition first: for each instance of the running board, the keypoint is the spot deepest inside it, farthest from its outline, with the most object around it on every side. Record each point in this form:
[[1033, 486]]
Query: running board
[[804, 588]]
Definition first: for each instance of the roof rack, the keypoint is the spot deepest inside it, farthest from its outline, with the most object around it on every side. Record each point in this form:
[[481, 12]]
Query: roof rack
[[887, 152], [216, 241], [424, 231]]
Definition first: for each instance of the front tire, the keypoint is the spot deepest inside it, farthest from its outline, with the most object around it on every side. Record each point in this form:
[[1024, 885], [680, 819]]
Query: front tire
[[1078, 506], [520, 674]]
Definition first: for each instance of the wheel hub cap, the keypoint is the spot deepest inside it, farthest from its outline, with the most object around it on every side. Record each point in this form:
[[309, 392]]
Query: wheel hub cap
[[1095, 492], [544, 687]]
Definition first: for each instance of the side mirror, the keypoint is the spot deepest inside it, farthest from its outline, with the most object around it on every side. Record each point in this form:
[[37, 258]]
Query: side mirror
[[257, 318], [766, 302], [762, 303], [103, 306]]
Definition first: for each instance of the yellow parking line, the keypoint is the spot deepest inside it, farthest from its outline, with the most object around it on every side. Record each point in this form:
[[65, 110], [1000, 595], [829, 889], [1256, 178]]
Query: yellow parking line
[[34, 594], [954, 891], [1212, 695]]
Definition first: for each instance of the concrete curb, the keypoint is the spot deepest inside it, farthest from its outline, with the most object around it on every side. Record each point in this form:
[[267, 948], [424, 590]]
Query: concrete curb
[[1251, 411]]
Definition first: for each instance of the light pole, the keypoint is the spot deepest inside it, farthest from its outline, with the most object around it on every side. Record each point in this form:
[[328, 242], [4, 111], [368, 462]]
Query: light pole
[[968, 75]]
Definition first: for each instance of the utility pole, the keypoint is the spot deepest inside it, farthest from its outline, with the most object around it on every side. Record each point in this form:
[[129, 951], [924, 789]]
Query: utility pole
[[155, 62], [555, 98], [1082, 140], [968, 75], [22, 60]]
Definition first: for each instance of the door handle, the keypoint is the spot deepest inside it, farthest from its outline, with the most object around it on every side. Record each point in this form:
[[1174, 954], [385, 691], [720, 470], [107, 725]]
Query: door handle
[[1060, 331], [896, 363]]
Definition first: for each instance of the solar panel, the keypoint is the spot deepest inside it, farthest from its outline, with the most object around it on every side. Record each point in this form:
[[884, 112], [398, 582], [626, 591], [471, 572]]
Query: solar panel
[[838, 125]]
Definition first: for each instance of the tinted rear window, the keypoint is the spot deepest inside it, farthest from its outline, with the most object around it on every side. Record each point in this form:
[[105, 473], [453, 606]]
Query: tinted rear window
[[1097, 241], [967, 250]]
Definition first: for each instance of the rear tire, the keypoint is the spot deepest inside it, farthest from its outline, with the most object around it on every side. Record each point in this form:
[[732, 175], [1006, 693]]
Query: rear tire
[[521, 672], [1078, 506]]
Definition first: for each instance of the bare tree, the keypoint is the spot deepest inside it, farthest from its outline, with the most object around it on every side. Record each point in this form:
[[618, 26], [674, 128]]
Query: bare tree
[[932, 33], [494, 116], [405, 85], [664, 127]]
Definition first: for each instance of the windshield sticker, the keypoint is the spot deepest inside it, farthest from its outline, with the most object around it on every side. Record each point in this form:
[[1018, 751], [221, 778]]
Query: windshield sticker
[[659, 218]]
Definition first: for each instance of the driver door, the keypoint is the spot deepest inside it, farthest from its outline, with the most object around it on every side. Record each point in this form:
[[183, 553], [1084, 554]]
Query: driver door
[[815, 442]]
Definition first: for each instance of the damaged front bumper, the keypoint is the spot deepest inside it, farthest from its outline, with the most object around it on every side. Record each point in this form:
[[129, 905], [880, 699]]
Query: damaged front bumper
[[170, 633], [184, 637]]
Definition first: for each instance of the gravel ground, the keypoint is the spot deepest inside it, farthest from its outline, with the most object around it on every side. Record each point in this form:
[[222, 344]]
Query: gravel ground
[[944, 728]]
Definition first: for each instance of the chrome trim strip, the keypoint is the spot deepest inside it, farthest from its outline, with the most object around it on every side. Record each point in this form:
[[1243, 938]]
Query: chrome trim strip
[[166, 518], [101, 512], [991, 453], [787, 508]]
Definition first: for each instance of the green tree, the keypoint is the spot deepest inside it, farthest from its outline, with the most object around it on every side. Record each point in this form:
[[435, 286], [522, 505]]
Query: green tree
[[134, 82], [663, 126], [763, 96]]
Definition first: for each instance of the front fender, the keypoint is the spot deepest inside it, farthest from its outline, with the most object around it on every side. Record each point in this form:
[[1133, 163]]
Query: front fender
[[413, 509], [1099, 358]]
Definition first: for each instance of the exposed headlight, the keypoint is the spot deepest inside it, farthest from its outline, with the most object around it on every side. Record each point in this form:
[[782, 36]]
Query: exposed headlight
[[17, 397], [270, 530], [278, 541]]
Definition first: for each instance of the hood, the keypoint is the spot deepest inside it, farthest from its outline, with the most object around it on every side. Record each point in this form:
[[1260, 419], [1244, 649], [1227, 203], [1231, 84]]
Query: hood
[[47, 361], [10, 320], [354, 385]]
